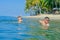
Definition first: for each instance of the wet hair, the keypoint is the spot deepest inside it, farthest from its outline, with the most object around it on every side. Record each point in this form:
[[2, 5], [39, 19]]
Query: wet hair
[[46, 17], [19, 16]]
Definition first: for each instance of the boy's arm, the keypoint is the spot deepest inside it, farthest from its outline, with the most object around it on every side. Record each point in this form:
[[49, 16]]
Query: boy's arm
[[42, 23]]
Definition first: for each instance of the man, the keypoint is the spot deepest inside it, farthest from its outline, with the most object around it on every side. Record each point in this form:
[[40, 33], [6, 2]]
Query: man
[[45, 22]]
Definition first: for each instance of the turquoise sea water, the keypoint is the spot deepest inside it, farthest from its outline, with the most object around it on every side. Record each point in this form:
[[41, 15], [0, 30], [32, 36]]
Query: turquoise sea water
[[29, 29]]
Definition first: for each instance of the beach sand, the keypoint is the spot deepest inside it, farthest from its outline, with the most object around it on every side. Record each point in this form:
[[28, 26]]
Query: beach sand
[[51, 16]]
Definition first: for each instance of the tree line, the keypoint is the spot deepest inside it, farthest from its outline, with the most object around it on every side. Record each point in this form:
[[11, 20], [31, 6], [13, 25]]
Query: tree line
[[40, 6]]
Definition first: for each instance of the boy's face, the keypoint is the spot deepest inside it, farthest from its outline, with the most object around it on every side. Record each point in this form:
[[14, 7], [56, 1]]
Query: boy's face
[[19, 18], [47, 19]]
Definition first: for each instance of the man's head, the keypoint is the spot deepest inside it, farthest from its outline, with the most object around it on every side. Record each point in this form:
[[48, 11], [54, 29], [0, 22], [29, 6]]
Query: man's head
[[47, 18]]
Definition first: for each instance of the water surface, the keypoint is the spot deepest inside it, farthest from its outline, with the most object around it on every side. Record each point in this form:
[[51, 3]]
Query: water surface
[[29, 29]]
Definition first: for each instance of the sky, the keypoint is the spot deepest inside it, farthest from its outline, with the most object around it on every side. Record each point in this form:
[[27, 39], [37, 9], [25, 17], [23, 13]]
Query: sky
[[12, 8]]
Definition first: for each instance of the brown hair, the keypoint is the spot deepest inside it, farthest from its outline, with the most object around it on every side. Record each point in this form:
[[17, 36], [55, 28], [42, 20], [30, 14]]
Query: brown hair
[[19, 16], [47, 18]]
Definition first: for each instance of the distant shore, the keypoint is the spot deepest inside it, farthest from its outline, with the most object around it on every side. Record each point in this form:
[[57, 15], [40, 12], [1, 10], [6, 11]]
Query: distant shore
[[51, 16]]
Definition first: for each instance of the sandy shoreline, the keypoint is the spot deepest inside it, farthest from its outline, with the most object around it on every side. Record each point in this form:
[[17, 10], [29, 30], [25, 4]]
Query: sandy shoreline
[[44, 15]]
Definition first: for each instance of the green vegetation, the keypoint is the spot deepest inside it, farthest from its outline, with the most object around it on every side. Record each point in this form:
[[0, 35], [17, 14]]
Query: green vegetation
[[41, 6]]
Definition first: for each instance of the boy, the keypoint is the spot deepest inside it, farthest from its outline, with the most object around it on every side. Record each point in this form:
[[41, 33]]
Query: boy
[[19, 19], [45, 22]]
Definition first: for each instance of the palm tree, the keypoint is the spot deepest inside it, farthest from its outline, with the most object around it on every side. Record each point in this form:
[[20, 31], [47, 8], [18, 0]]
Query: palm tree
[[31, 4], [40, 6]]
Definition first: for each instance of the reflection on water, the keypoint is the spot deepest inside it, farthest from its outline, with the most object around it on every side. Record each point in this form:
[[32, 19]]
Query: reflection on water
[[29, 29]]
